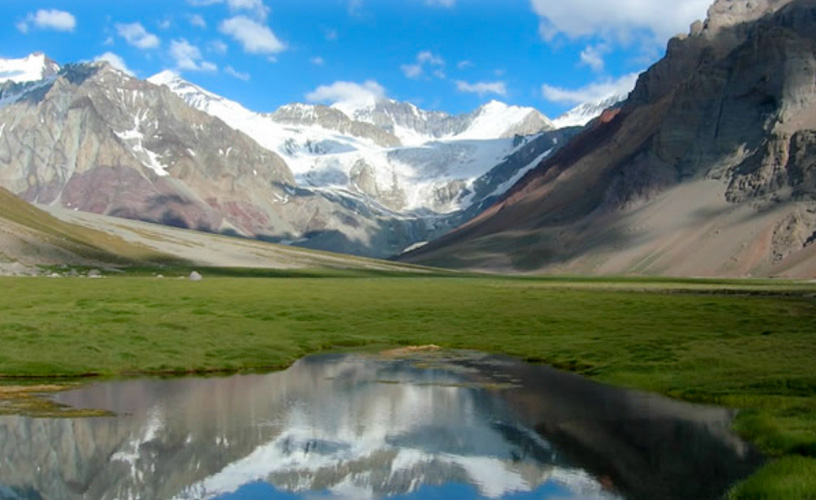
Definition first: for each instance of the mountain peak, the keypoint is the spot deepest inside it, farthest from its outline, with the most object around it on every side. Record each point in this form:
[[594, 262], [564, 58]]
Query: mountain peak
[[494, 104], [165, 77], [31, 68], [496, 119], [727, 13], [586, 112]]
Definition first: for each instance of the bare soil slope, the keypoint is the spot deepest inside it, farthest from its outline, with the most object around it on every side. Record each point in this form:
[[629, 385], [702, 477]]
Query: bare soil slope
[[31, 236], [708, 169]]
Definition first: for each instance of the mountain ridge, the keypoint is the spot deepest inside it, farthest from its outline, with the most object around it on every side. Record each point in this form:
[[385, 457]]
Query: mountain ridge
[[34, 67], [705, 170], [93, 138]]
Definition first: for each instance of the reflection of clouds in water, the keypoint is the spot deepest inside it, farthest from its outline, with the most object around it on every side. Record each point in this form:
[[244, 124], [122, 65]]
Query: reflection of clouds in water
[[337, 427], [129, 453], [360, 438]]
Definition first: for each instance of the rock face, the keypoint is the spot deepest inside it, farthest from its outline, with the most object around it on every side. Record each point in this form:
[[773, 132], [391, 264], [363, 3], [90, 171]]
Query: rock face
[[494, 120], [582, 114], [94, 139], [403, 156], [707, 169], [415, 166], [33, 68], [333, 119], [99, 141], [30, 237], [372, 180]]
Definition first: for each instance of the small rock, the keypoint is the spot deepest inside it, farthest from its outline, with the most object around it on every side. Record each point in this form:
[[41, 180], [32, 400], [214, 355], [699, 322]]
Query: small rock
[[159, 276], [94, 273], [195, 276], [55, 275], [16, 269]]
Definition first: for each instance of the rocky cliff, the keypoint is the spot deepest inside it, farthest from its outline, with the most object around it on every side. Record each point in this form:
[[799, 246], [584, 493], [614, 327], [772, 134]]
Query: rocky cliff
[[333, 119], [94, 139], [706, 169]]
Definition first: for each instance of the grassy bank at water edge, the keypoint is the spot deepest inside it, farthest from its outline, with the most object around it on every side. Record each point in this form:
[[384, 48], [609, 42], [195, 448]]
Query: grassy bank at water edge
[[748, 345]]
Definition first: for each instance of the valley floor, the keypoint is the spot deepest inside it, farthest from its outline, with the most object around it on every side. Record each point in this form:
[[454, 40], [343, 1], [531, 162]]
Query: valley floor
[[744, 344]]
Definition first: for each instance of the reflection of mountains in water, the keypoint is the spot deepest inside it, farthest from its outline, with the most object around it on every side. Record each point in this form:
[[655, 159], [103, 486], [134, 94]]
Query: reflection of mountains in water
[[344, 426]]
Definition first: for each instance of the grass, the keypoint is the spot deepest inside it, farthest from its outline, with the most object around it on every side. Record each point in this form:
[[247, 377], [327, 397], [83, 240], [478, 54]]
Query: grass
[[744, 344], [81, 241]]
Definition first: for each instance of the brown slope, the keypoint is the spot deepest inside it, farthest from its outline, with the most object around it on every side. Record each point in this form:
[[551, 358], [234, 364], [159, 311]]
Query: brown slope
[[97, 140], [708, 168], [30, 236]]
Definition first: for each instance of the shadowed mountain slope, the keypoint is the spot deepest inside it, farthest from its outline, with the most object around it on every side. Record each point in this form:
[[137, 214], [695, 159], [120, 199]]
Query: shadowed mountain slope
[[30, 236], [709, 168]]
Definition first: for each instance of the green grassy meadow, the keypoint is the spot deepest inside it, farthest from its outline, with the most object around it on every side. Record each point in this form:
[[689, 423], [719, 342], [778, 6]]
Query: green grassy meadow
[[745, 344]]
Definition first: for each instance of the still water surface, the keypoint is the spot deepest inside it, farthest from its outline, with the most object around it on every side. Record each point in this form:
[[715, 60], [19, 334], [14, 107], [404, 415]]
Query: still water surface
[[462, 426]]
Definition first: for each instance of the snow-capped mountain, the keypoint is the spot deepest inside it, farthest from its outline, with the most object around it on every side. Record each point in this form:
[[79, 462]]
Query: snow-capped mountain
[[432, 173], [373, 179], [28, 69], [585, 113], [414, 126]]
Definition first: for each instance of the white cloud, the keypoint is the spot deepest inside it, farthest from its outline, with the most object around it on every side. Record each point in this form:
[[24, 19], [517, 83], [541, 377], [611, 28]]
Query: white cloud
[[348, 96], [412, 70], [317, 61], [423, 59], [593, 56], [115, 61], [355, 7], [198, 21], [590, 93], [164, 24], [135, 34], [256, 8], [617, 21], [441, 3], [58, 20], [331, 35], [237, 74], [218, 46], [255, 37], [482, 88], [465, 64], [429, 58], [188, 57]]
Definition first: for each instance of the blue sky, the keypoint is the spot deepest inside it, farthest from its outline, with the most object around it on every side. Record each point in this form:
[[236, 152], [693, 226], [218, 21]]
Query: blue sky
[[448, 55]]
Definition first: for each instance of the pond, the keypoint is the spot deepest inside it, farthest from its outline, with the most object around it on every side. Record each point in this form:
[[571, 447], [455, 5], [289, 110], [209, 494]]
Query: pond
[[454, 425]]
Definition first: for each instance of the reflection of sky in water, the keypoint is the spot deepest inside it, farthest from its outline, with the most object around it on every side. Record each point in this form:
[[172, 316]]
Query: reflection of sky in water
[[367, 462], [449, 491], [365, 428], [391, 432]]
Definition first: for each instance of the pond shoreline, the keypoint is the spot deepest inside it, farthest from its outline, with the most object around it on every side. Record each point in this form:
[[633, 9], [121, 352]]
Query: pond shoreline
[[646, 446], [745, 345]]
